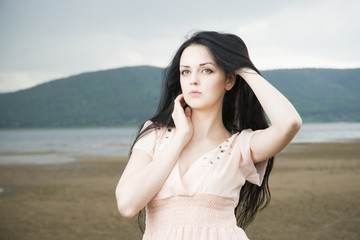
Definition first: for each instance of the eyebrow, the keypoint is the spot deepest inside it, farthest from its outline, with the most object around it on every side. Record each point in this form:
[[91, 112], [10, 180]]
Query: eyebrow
[[201, 64]]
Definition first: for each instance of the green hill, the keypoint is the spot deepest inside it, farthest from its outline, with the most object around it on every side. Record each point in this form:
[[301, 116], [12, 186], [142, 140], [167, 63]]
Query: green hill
[[320, 95], [127, 96]]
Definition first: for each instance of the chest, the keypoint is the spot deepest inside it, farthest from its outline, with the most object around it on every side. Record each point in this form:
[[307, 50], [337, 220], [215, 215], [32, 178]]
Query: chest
[[213, 170], [194, 152]]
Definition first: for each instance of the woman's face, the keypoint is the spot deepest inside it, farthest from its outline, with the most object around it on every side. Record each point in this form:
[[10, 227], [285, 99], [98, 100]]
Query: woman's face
[[203, 83]]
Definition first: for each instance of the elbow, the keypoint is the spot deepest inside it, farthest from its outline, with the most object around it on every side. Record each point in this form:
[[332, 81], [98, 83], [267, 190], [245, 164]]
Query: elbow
[[293, 125], [125, 211], [125, 207]]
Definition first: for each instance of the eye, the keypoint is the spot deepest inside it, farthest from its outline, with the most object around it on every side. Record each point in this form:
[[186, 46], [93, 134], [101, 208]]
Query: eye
[[207, 70], [185, 72]]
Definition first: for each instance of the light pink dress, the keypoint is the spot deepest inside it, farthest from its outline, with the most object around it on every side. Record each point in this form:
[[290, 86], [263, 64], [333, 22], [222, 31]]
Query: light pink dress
[[200, 205]]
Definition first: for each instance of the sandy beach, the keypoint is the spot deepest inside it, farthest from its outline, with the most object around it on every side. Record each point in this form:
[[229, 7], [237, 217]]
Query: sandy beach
[[315, 195]]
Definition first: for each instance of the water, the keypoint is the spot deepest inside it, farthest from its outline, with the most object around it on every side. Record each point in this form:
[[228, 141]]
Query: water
[[328, 132], [63, 145]]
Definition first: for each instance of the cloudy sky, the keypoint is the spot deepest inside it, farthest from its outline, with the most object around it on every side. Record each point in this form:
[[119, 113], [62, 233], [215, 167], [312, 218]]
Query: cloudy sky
[[45, 40]]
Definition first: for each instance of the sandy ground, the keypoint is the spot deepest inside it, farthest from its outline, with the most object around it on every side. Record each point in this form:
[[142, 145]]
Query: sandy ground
[[315, 195]]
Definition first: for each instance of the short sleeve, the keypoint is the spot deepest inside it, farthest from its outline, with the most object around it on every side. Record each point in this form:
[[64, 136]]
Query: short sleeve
[[253, 173], [148, 141]]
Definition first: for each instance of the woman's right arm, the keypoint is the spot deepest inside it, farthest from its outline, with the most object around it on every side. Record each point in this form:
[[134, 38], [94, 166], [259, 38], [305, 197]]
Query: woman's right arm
[[143, 177]]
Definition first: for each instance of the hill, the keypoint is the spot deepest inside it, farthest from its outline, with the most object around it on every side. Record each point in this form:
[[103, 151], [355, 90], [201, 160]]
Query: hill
[[104, 98], [127, 96], [320, 95]]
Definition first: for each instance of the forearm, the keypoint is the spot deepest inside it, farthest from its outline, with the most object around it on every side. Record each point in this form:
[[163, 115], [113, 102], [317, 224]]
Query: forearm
[[279, 110], [134, 192]]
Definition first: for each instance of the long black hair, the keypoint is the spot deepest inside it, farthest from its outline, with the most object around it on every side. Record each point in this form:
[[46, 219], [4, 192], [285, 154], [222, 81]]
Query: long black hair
[[241, 109]]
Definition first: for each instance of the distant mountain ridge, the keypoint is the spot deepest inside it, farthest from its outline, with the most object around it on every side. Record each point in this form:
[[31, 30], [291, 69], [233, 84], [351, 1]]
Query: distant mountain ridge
[[128, 96]]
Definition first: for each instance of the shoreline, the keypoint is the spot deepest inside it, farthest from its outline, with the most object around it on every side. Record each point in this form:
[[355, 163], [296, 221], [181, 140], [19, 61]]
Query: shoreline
[[68, 157]]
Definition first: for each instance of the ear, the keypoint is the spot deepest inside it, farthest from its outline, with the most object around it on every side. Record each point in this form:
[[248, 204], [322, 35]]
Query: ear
[[230, 81]]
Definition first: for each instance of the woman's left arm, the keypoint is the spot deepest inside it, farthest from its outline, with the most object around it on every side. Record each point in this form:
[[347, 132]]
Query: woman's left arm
[[285, 120]]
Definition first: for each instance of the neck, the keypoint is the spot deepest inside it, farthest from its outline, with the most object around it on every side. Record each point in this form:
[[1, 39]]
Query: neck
[[208, 124]]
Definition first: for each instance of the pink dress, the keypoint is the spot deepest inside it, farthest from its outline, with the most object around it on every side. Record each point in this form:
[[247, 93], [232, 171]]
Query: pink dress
[[200, 205]]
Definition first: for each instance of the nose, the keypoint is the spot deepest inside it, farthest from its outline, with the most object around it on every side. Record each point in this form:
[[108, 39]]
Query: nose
[[194, 79]]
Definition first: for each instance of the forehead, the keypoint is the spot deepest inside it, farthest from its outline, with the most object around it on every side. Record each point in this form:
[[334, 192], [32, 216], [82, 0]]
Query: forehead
[[195, 55]]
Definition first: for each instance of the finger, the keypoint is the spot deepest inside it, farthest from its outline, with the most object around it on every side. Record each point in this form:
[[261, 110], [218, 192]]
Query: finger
[[177, 101], [182, 101], [178, 98], [188, 112]]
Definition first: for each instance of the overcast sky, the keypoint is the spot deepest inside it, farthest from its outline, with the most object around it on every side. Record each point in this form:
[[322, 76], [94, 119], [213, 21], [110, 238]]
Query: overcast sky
[[45, 40]]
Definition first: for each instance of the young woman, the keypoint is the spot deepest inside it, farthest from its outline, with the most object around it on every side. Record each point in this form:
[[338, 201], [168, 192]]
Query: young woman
[[200, 166]]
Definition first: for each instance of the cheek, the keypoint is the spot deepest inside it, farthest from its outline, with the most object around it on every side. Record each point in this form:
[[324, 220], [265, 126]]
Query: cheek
[[182, 85], [217, 86]]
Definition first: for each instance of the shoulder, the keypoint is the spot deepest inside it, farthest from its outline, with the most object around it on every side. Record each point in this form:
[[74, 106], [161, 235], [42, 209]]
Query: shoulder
[[244, 135], [151, 128], [243, 140]]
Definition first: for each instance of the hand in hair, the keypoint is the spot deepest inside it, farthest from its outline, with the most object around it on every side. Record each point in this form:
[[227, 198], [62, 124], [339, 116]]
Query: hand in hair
[[285, 120]]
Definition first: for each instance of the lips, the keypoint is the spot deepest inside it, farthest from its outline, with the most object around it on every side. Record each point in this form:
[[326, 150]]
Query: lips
[[194, 93]]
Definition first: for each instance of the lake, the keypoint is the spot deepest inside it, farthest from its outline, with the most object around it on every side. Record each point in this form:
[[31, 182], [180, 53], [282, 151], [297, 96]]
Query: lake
[[62, 145]]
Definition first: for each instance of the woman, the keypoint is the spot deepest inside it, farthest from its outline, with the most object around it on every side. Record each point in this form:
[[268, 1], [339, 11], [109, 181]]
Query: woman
[[200, 166]]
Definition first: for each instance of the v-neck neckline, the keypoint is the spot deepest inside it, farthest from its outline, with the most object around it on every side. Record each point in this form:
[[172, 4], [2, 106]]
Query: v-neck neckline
[[201, 157]]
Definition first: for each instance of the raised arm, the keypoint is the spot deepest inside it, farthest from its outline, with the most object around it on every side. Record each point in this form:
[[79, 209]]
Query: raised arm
[[143, 177], [285, 120]]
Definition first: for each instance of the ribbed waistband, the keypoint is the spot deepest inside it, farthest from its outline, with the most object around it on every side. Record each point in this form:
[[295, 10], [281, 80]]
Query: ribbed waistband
[[196, 211]]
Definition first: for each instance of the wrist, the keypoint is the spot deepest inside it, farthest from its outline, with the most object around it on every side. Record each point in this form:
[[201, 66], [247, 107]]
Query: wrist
[[245, 71]]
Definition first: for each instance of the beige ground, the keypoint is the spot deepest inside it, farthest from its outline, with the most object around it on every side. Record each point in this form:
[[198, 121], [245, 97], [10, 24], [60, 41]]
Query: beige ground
[[315, 189]]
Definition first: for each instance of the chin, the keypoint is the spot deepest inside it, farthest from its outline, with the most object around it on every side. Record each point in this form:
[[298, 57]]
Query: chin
[[191, 103], [196, 107]]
